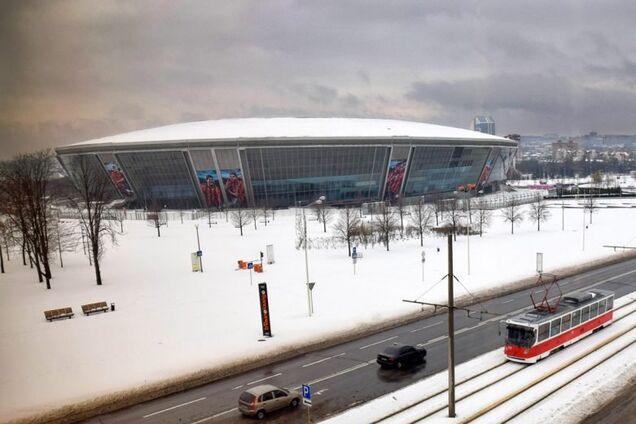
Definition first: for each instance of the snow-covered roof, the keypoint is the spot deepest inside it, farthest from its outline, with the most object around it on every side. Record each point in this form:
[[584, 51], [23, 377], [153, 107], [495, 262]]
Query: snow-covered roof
[[293, 128]]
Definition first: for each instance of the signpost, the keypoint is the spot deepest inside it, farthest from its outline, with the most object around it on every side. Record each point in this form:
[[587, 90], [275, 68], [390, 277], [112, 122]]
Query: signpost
[[250, 266], [354, 258], [423, 260], [264, 302], [539, 263], [306, 392]]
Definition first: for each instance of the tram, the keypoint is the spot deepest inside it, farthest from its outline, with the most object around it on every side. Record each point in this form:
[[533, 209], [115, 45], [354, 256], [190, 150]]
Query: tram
[[536, 334]]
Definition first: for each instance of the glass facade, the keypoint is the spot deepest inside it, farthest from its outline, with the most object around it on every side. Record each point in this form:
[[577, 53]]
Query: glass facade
[[286, 175], [443, 169], [162, 177], [71, 163], [116, 174]]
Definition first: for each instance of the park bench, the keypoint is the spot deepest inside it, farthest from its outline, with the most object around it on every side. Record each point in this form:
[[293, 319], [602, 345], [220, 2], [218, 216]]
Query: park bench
[[89, 308], [58, 313]]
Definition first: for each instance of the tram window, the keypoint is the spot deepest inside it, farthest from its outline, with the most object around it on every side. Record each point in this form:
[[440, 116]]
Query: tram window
[[601, 306], [576, 318], [544, 331], [585, 314], [520, 336], [555, 327], [593, 310], [565, 322], [610, 303]]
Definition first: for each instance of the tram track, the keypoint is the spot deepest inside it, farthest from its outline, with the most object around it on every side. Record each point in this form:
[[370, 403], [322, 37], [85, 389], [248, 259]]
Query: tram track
[[433, 403], [510, 413]]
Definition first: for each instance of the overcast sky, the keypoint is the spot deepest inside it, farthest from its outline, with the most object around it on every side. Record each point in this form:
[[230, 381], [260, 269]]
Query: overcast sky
[[75, 70]]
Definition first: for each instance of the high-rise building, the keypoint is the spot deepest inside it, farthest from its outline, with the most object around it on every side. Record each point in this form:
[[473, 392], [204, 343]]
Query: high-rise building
[[484, 124]]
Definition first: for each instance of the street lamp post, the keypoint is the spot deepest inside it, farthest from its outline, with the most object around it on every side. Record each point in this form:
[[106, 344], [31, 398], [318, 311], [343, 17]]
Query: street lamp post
[[310, 302]]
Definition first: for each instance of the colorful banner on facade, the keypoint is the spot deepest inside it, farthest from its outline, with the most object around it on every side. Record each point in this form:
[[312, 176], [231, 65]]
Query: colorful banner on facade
[[397, 168], [209, 183], [485, 173], [234, 187], [117, 176]]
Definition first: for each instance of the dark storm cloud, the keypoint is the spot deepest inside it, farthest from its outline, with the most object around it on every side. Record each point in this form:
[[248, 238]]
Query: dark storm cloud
[[75, 69]]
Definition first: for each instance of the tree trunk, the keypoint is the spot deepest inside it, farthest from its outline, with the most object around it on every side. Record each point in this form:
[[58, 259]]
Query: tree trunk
[[241, 228], [98, 273], [349, 244], [512, 225], [1, 261], [158, 230], [23, 254], [324, 224], [421, 238], [37, 268]]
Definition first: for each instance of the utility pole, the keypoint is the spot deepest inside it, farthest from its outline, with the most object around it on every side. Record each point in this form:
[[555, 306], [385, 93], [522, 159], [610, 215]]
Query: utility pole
[[199, 248], [451, 333]]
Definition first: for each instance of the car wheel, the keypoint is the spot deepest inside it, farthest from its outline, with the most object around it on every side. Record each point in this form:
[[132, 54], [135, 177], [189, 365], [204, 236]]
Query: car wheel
[[399, 365], [260, 414], [294, 402]]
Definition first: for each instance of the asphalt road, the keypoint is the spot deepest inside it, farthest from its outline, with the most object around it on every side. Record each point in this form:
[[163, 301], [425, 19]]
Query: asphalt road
[[346, 375]]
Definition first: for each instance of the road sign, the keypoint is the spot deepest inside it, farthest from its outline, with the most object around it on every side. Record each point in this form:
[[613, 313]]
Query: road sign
[[199, 253], [250, 265], [354, 252], [539, 262], [423, 256], [306, 390]]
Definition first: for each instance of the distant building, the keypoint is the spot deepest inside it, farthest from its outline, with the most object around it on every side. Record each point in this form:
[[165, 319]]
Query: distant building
[[565, 150], [484, 124]]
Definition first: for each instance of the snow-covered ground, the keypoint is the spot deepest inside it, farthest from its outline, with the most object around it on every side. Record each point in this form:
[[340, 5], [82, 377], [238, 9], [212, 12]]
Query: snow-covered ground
[[170, 321], [488, 379]]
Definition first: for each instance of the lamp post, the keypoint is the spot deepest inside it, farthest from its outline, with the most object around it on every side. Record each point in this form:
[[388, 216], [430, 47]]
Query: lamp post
[[310, 302]]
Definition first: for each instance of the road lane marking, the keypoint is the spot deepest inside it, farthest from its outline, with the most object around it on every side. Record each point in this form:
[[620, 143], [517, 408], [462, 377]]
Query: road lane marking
[[263, 379], [430, 342], [237, 387], [345, 371], [174, 407], [507, 301], [322, 360], [377, 343], [427, 326], [211, 417]]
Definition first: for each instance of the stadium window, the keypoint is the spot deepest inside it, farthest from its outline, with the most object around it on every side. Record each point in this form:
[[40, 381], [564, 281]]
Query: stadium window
[[555, 327], [544, 331], [576, 318], [585, 314], [593, 310]]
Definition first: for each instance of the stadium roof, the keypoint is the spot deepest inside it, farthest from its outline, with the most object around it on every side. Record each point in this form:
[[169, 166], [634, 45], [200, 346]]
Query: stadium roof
[[289, 128]]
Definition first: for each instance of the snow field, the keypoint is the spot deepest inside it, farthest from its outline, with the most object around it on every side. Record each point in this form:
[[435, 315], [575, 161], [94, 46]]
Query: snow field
[[170, 322]]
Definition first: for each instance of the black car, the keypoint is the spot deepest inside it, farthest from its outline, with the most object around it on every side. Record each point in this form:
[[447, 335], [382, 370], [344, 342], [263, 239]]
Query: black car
[[401, 356]]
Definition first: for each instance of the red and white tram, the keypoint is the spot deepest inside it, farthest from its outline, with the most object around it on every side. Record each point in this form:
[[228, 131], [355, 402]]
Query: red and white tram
[[535, 334]]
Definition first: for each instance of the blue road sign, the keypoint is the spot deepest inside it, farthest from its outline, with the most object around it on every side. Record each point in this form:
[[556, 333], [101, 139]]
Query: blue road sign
[[306, 389], [250, 265], [354, 253], [199, 253]]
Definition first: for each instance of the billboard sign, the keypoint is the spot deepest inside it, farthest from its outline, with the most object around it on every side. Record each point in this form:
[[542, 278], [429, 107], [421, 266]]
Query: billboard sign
[[263, 301], [196, 263]]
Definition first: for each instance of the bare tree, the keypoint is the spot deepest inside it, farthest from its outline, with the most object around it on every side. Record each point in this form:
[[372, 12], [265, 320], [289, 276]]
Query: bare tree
[[347, 225], [421, 218], [265, 212], [93, 192], [454, 214], [26, 200], [323, 213], [539, 211], [512, 213], [589, 204], [401, 210], [482, 214], [386, 223], [364, 234], [240, 217], [4, 230], [156, 217]]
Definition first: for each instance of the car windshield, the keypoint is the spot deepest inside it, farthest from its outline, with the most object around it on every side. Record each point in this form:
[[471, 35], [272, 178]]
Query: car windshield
[[392, 351], [247, 397], [520, 336]]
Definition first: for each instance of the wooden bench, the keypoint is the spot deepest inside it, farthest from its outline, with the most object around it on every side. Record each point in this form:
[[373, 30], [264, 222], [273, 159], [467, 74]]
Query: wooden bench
[[89, 308], [58, 313]]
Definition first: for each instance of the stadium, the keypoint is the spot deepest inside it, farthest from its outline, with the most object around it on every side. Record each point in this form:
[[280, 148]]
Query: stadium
[[280, 162]]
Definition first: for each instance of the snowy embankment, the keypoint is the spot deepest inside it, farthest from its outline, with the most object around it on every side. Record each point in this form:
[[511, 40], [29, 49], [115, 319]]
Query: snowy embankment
[[170, 322], [489, 378]]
